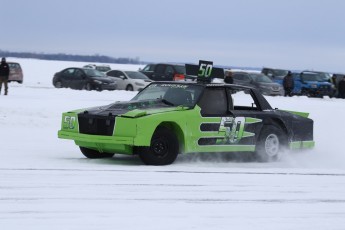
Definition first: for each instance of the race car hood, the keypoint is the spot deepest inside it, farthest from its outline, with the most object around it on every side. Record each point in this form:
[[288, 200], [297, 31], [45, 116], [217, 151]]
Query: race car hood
[[132, 109]]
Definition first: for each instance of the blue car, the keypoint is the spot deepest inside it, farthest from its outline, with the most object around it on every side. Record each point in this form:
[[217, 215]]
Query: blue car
[[308, 83], [312, 84]]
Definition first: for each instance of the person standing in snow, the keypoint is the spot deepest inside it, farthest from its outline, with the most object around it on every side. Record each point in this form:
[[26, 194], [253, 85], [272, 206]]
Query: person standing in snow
[[4, 73], [288, 84], [341, 89]]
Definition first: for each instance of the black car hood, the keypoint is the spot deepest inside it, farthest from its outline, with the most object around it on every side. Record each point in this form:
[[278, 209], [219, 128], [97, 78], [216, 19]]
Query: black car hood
[[120, 108]]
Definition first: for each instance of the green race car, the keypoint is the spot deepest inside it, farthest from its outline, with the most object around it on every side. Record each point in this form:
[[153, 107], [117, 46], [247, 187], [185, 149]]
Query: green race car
[[168, 118]]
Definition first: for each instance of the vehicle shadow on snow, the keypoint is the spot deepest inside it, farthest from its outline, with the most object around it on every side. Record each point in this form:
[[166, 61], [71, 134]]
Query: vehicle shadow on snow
[[216, 157], [116, 160]]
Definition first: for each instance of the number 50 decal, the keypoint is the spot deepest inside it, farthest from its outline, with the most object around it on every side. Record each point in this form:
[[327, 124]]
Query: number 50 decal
[[205, 68]]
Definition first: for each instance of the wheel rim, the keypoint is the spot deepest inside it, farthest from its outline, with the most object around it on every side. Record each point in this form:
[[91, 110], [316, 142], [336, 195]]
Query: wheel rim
[[88, 86], [160, 148], [272, 145], [58, 84]]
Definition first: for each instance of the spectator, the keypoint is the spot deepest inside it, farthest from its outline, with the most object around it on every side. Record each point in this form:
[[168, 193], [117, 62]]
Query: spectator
[[228, 78], [333, 81], [288, 84], [4, 73], [341, 89]]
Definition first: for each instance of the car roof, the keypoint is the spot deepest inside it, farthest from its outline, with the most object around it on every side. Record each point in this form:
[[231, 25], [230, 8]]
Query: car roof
[[209, 85]]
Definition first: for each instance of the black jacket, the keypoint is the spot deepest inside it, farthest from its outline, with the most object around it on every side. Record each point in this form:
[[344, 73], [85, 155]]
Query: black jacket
[[4, 70], [288, 82], [341, 87]]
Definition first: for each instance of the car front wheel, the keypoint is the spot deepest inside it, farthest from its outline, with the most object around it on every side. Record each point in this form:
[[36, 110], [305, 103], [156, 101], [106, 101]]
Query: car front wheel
[[88, 87], [271, 144], [163, 150], [93, 154]]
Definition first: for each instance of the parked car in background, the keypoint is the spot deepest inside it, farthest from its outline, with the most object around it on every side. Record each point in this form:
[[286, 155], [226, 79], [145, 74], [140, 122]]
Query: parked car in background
[[277, 75], [16, 72], [83, 78], [102, 68], [129, 80], [165, 72], [259, 81], [312, 84]]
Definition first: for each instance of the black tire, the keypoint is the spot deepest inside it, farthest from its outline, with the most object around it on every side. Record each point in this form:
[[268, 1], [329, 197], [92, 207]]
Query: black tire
[[93, 154], [163, 150], [271, 144], [88, 87], [129, 88], [58, 84], [20, 82]]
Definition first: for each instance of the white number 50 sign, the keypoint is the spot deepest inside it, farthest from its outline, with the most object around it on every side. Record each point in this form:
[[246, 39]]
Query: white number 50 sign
[[205, 69]]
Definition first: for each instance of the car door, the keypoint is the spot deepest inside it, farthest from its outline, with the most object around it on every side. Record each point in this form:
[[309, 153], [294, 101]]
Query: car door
[[120, 77], [248, 114], [159, 73], [219, 130], [298, 83], [66, 77], [79, 79]]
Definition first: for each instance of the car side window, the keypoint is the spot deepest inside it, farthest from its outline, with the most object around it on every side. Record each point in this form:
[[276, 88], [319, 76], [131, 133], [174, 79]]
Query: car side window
[[115, 73], [149, 68], [160, 69], [68, 72], [121, 75], [78, 74], [111, 73], [243, 77], [237, 76], [213, 102], [169, 70], [242, 99]]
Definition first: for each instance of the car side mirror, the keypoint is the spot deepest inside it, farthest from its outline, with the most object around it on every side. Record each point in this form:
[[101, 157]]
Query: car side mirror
[[122, 77]]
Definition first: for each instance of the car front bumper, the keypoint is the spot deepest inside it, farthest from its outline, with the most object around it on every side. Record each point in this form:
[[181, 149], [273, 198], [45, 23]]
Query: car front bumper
[[112, 144]]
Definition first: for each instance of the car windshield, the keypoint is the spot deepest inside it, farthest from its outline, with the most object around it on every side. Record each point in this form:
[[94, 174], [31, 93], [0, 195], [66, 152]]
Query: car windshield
[[314, 77], [180, 69], [280, 72], [94, 73], [103, 68], [136, 75], [261, 78], [14, 65], [173, 94]]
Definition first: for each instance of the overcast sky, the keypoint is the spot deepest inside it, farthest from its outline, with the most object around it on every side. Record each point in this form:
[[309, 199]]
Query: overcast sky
[[293, 34]]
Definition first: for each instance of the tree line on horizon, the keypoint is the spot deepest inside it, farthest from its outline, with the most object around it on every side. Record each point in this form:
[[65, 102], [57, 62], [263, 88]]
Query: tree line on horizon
[[71, 57]]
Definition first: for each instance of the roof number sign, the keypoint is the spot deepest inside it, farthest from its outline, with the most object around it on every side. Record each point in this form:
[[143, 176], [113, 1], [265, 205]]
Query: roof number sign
[[205, 69]]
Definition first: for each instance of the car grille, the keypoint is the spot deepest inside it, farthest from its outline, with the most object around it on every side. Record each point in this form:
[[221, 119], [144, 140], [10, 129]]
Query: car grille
[[324, 87], [96, 125]]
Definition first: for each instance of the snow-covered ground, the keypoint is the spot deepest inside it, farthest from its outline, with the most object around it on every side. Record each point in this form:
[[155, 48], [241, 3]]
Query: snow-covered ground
[[46, 183]]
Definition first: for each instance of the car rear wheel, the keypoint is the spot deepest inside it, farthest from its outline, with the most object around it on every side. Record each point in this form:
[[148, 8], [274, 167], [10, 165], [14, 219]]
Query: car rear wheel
[[129, 88], [163, 150], [271, 144], [58, 84], [93, 154]]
